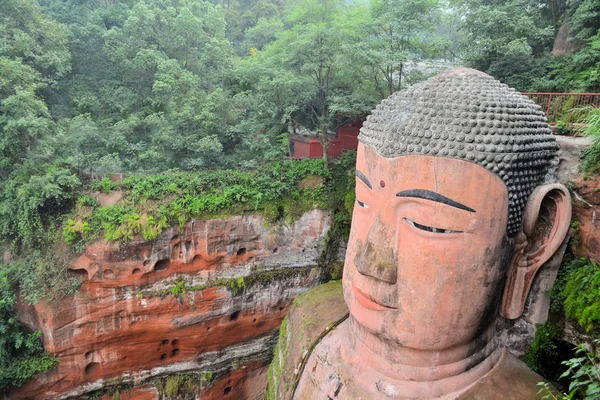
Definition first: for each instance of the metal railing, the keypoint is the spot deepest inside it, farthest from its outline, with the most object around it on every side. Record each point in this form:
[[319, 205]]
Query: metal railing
[[566, 107]]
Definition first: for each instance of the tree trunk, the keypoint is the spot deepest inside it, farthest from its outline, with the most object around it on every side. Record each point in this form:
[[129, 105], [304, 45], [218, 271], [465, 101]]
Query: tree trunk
[[325, 145]]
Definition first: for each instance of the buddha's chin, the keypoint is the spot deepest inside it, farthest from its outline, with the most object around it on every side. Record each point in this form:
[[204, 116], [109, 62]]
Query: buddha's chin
[[374, 326]]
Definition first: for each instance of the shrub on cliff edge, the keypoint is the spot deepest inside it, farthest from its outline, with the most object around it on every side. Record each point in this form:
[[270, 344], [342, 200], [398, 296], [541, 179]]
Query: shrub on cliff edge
[[22, 355]]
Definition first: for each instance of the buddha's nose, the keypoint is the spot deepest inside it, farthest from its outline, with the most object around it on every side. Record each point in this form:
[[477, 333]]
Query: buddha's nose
[[376, 258]]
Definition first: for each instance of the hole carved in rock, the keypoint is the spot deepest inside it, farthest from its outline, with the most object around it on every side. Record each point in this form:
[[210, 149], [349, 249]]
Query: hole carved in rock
[[92, 368], [108, 274], [162, 265]]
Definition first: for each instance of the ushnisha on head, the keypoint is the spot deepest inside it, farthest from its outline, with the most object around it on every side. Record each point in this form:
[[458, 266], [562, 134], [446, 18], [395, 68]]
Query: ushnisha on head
[[452, 202], [468, 115]]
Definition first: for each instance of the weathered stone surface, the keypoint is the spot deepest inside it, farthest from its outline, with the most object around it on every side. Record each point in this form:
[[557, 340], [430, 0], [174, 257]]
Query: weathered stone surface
[[571, 149], [313, 314], [164, 307], [586, 206], [564, 43]]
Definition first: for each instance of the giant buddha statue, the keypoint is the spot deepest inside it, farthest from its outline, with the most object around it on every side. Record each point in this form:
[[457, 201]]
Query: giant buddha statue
[[455, 213]]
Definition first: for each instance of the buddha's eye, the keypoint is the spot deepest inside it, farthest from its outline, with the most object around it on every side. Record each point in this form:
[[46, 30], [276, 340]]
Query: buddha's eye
[[429, 228], [363, 205]]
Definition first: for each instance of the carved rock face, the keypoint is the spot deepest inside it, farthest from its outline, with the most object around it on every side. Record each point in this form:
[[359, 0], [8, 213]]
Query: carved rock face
[[428, 249], [125, 324]]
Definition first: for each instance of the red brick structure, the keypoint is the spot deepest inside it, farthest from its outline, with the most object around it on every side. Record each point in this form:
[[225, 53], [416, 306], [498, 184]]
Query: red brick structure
[[309, 146]]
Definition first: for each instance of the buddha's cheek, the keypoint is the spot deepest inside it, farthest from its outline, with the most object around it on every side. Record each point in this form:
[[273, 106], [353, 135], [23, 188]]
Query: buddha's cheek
[[445, 293]]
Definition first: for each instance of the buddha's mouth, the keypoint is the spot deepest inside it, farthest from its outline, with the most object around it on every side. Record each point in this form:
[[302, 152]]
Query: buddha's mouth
[[368, 301]]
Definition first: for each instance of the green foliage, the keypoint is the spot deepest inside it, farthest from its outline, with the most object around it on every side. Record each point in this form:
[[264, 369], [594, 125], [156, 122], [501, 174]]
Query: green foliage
[[399, 34], [32, 200], [585, 20], [179, 289], [577, 293], [154, 202], [563, 128], [591, 158], [280, 353], [42, 276], [33, 54], [542, 355], [105, 185], [235, 285], [22, 355], [583, 373], [504, 29], [179, 386], [582, 296], [512, 41]]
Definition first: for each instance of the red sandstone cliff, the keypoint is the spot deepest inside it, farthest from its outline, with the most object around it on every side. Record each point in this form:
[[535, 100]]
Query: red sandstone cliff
[[585, 228], [176, 305]]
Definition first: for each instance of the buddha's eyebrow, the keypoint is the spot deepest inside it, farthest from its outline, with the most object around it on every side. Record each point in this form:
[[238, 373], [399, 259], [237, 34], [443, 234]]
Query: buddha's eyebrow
[[433, 196], [363, 178]]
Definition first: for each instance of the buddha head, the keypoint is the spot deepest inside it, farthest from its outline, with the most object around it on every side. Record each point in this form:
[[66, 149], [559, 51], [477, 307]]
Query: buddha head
[[453, 214]]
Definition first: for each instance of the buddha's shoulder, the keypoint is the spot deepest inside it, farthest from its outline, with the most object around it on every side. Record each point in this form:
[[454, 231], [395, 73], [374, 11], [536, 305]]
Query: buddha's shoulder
[[313, 314], [326, 377], [510, 378], [308, 363]]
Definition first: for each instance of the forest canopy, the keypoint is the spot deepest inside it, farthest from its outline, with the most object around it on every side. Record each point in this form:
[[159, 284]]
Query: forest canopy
[[102, 86]]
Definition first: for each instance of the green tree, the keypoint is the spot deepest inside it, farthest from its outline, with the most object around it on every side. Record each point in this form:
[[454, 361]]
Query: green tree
[[310, 62], [503, 29], [401, 31], [33, 55], [585, 18], [26, 34], [22, 355]]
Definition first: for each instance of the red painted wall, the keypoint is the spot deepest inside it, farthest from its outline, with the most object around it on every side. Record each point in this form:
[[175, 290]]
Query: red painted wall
[[347, 139]]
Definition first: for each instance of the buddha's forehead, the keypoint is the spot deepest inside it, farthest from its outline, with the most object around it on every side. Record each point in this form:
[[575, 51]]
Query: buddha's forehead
[[457, 179]]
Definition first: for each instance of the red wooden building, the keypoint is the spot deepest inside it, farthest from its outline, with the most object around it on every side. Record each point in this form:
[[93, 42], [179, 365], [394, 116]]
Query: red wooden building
[[309, 146]]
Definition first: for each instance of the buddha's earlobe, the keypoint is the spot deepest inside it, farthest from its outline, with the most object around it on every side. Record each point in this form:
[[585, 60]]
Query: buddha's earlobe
[[546, 221]]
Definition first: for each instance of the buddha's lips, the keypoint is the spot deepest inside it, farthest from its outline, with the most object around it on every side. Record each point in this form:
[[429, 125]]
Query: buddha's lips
[[368, 301]]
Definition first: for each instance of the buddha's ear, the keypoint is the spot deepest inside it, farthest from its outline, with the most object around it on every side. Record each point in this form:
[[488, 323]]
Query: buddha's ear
[[546, 221]]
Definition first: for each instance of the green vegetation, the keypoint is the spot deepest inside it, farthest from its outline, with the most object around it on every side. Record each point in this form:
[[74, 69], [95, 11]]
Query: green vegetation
[[179, 385], [582, 295], [279, 356], [576, 293], [235, 285], [583, 373], [591, 159], [22, 355], [542, 356], [155, 202], [182, 386], [512, 40]]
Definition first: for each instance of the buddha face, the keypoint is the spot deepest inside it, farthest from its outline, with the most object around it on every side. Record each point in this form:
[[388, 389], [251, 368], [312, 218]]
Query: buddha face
[[428, 249]]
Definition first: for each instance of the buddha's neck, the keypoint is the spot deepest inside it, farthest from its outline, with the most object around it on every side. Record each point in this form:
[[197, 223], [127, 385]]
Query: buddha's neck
[[464, 363]]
